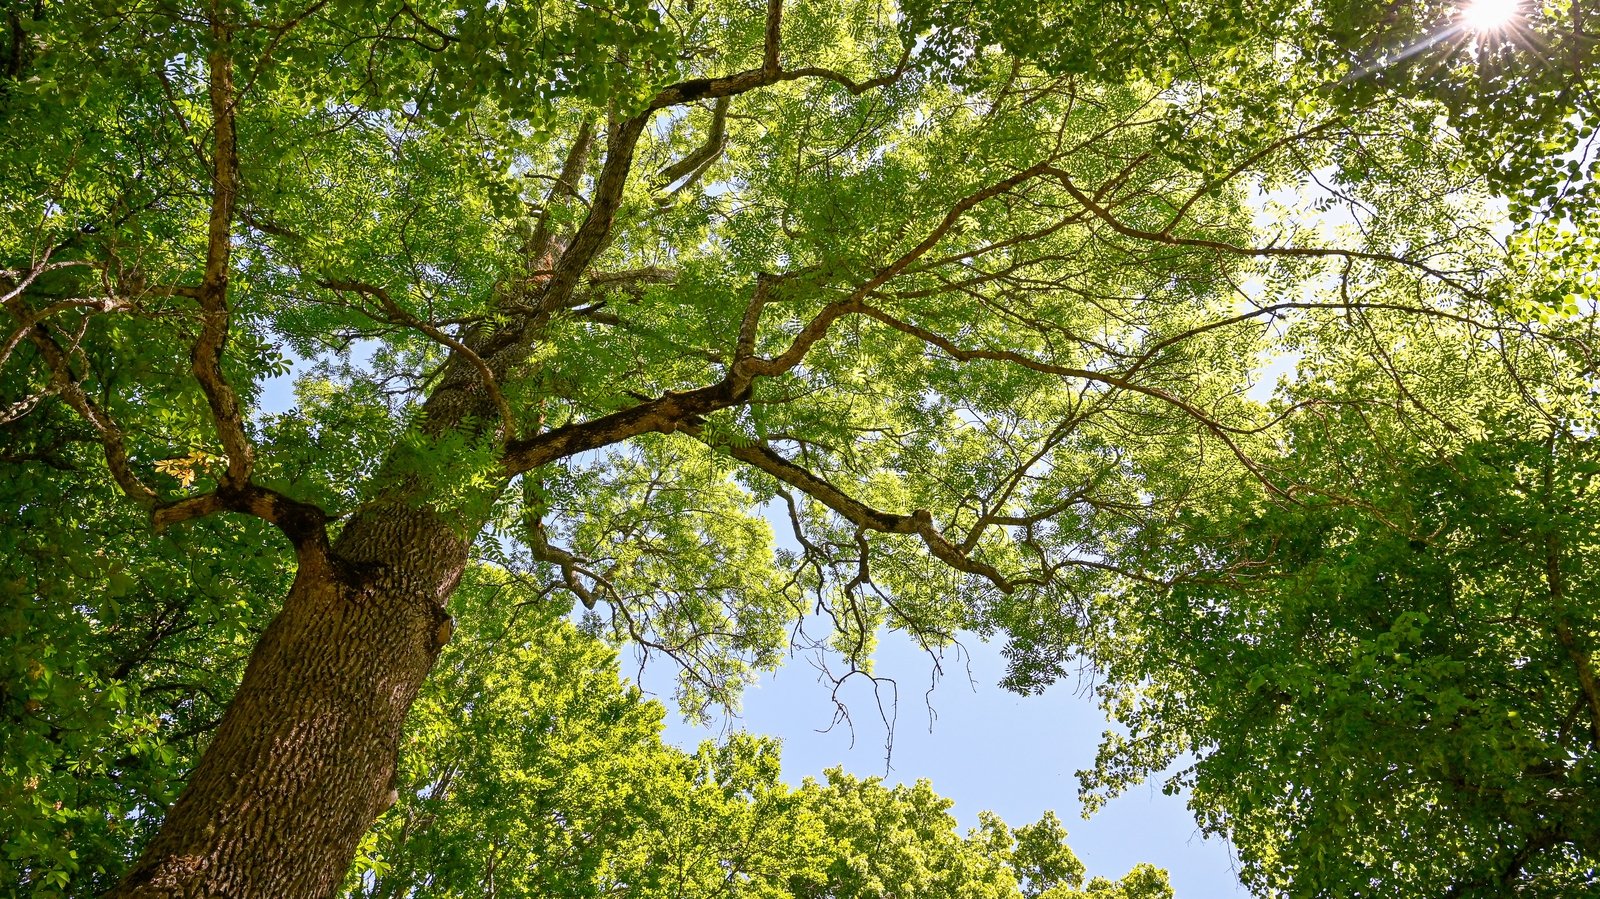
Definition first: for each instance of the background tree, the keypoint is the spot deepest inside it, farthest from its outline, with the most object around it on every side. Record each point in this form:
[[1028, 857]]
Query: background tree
[[121, 650], [588, 289], [1389, 685]]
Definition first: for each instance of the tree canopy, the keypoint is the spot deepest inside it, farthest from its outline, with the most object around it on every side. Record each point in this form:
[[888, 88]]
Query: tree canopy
[[1399, 665], [979, 304]]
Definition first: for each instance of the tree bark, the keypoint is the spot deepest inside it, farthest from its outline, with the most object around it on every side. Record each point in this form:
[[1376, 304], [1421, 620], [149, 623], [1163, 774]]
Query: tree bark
[[303, 761], [304, 758]]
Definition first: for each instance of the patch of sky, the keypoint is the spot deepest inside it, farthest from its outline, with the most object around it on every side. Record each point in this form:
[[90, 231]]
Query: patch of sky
[[941, 715], [947, 720], [277, 393]]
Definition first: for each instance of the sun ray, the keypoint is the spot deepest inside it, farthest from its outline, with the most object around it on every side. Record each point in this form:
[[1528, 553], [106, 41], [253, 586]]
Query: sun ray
[[1404, 53], [1477, 23], [1489, 15]]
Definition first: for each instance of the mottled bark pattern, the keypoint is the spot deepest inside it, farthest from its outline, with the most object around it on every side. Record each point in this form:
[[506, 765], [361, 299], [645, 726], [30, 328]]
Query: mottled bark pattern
[[304, 759]]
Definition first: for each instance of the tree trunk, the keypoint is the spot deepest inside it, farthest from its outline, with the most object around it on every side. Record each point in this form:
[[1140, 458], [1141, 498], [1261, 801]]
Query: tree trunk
[[303, 761]]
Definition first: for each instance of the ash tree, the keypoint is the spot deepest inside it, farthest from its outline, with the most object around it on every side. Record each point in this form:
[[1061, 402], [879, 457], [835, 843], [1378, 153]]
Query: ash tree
[[961, 295]]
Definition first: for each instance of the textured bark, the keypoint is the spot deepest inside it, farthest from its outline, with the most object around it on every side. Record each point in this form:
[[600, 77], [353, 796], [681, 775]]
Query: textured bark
[[304, 759]]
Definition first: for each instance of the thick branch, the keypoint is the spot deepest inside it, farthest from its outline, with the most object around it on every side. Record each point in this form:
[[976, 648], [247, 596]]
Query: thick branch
[[593, 233], [771, 35], [571, 566], [27, 319], [565, 187], [664, 414], [302, 523], [694, 163], [670, 411], [206, 358], [771, 72], [597, 287], [400, 316], [116, 450], [919, 522]]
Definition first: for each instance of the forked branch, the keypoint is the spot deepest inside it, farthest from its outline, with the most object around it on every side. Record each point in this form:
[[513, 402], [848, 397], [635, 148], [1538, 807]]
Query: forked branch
[[396, 314]]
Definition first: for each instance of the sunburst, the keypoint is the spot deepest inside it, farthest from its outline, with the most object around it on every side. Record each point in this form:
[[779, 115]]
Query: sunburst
[[1489, 16], [1477, 24]]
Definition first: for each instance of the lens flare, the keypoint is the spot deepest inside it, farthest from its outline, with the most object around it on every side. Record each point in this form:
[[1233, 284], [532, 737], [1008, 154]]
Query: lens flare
[[1488, 15]]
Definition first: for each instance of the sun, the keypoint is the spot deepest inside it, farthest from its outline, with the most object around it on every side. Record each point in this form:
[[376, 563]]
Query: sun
[[1488, 15]]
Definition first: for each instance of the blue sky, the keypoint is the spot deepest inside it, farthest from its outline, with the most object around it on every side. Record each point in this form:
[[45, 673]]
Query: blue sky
[[984, 748]]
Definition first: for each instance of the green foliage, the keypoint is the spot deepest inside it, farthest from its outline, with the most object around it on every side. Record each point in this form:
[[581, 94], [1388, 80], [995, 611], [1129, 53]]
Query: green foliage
[[409, 149], [1521, 97], [118, 651], [1007, 274], [1388, 688]]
